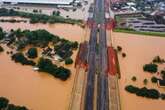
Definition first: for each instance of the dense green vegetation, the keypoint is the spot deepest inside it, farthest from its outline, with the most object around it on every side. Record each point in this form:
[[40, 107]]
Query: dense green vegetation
[[32, 53], [1, 49], [152, 68], [64, 48], [46, 65], [56, 13], [4, 105], [131, 31], [41, 38], [154, 79], [68, 61], [143, 92], [38, 17], [20, 58], [37, 38], [3, 102]]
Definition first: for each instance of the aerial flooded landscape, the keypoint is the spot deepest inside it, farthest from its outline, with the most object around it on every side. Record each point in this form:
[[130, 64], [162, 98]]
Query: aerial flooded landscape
[[82, 54]]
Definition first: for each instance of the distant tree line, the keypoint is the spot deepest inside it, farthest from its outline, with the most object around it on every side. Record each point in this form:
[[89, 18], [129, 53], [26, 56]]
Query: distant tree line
[[39, 18], [12, 20]]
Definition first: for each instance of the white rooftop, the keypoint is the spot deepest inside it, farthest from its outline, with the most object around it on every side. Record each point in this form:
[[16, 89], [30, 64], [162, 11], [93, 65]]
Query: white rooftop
[[40, 1]]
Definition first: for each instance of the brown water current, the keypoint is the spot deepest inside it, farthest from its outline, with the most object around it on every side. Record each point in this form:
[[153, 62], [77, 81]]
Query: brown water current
[[37, 91], [140, 50]]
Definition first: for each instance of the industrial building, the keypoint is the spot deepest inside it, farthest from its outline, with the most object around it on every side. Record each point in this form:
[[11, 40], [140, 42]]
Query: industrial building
[[41, 2]]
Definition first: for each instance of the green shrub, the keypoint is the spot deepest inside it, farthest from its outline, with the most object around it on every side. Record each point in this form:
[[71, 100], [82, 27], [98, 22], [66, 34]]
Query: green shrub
[[154, 79], [157, 59], [3, 103], [134, 78], [32, 53], [152, 68], [123, 54], [145, 81], [119, 48], [46, 65], [131, 89], [143, 92], [16, 107], [19, 57], [68, 61]]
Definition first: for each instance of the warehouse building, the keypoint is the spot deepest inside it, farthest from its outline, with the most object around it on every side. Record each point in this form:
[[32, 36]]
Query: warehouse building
[[40, 2]]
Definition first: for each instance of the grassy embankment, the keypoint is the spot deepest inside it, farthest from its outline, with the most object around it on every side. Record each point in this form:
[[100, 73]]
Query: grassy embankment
[[131, 31]]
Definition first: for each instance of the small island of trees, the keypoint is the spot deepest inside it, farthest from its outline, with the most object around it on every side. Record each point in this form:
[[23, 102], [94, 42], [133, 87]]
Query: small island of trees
[[153, 69], [50, 46], [143, 92], [46, 65]]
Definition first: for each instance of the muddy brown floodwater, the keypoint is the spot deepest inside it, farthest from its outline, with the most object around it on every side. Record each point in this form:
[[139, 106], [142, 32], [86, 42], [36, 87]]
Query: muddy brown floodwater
[[37, 91], [70, 32], [140, 50]]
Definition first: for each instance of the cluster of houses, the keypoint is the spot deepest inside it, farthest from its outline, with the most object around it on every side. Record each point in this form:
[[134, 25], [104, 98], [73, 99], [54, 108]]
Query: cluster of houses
[[144, 24], [154, 9], [132, 6]]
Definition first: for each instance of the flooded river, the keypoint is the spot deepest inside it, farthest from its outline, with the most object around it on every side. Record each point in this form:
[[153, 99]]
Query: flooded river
[[140, 50], [37, 91]]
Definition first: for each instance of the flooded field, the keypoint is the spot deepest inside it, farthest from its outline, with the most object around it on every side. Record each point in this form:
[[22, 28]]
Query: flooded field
[[70, 32], [37, 91], [140, 50]]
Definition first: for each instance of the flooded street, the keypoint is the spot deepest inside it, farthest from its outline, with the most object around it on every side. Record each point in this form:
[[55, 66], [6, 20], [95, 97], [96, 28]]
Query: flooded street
[[38, 91], [139, 50]]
